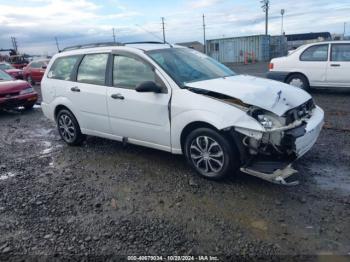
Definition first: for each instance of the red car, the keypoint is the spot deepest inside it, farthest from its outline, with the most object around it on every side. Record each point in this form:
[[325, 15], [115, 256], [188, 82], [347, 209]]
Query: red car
[[35, 70], [8, 68], [16, 93]]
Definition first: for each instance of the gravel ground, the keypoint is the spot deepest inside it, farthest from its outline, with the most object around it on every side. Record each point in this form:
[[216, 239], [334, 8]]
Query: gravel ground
[[106, 199]]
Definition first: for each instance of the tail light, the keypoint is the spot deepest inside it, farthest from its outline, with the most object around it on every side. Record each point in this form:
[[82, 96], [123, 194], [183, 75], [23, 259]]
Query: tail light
[[271, 66]]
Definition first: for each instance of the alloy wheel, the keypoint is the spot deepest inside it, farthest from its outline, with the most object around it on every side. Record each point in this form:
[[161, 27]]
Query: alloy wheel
[[66, 128], [207, 155]]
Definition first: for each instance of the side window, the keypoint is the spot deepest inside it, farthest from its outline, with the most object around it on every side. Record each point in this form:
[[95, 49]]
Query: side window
[[63, 67], [315, 53], [92, 69], [128, 72], [340, 53], [34, 65]]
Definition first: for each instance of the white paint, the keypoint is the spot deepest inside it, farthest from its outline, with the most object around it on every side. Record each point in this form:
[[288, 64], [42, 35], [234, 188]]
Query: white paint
[[143, 118]]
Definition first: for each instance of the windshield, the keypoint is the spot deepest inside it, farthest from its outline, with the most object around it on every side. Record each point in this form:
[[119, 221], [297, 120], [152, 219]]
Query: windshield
[[186, 65], [4, 76], [6, 66]]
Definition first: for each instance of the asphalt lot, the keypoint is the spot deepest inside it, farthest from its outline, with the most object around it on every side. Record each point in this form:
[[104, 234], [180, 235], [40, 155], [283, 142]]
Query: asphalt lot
[[104, 199]]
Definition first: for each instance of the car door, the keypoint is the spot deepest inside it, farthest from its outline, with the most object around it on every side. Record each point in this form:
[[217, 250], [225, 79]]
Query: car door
[[142, 118], [34, 71], [338, 72], [88, 94], [313, 63]]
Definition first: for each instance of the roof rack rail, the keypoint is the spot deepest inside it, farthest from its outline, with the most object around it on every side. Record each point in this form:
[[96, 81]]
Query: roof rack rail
[[144, 42], [91, 46]]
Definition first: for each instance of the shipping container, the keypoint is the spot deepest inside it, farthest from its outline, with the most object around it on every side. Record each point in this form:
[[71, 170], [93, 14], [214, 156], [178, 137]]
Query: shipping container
[[246, 49]]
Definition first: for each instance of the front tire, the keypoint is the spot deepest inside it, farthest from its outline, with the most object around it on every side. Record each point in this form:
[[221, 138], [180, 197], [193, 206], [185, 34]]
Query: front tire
[[69, 129], [211, 154], [298, 80]]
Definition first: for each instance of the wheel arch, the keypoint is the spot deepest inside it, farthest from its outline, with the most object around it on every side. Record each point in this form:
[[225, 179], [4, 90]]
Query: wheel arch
[[296, 73], [192, 126], [60, 107]]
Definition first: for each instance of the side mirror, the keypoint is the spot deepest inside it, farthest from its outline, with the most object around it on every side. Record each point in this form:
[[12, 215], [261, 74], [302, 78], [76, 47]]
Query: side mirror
[[148, 86], [44, 67]]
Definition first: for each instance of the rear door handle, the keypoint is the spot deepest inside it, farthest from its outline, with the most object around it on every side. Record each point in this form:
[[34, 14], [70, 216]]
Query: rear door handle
[[75, 89], [335, 65], [118, 96]]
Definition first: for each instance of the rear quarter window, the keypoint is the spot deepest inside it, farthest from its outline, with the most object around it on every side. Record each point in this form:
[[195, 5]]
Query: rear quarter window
[[63, 67]]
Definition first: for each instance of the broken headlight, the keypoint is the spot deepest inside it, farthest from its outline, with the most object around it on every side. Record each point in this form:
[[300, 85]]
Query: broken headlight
[[265, 121]]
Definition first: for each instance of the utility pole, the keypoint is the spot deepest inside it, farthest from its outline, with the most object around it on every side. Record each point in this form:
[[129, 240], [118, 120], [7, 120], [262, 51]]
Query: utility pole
[[113, 34], [204, 37], [282, 13], [344, 30], [58, 47], [266, 7], [163, 27], [14, 44]]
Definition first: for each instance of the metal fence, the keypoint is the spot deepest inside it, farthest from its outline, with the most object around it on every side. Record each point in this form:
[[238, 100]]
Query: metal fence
[[248, 49]]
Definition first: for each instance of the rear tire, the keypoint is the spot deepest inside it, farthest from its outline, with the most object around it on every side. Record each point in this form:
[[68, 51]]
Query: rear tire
[[299, 81], [211, 154], [68, 128]]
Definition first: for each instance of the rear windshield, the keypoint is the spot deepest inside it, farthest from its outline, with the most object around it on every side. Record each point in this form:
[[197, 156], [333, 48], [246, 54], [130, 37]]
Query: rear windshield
[[4, 76]]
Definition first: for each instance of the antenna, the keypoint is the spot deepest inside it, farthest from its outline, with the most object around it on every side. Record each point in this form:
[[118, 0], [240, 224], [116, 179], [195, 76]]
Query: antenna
[[58, 47], [163, 27]]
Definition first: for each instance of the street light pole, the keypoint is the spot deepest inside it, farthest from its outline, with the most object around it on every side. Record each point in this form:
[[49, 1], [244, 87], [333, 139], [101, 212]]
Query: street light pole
[[204, 37], [282, 14]]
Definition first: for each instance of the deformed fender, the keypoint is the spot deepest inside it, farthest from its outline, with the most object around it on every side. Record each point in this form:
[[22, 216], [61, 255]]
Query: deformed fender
[[234, 119]]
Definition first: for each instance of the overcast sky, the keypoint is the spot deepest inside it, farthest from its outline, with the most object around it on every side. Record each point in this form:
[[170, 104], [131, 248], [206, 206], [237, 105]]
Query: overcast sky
[[35, 23]]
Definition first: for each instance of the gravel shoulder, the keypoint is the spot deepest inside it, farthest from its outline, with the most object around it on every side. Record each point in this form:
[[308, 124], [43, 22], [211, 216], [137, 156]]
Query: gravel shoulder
[[106, 199]]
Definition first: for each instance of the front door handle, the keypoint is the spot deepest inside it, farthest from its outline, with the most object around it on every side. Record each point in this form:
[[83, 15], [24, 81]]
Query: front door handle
[[75, 89], [118, 96], [335, 65]]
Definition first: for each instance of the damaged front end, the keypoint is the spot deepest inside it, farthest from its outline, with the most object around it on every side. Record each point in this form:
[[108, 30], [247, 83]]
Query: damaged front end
[[269, 154]]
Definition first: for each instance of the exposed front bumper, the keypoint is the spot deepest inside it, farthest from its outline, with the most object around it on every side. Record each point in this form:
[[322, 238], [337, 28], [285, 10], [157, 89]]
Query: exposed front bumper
[[277, 75], [276, 168]]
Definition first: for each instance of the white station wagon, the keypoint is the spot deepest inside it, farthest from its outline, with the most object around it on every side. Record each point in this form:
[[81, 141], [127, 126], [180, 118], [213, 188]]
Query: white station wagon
[[181, 101], [324, 64]]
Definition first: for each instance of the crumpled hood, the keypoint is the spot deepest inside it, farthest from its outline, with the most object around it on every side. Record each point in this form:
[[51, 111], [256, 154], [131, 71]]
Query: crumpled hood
[[270, 95]]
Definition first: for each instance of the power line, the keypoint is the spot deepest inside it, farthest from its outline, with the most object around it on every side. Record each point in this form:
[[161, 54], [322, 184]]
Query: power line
[[163, 27]]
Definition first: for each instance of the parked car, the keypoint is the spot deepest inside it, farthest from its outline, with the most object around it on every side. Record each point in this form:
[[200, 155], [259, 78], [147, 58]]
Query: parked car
[[35, 70], [181, 101], [16, 93], [8, 68], [324, 64]]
